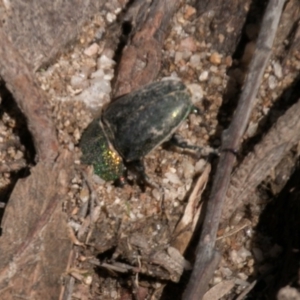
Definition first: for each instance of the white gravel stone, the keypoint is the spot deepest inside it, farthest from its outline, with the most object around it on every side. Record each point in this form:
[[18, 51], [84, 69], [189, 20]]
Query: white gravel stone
[[188, 169], [96, 94], [98, 74], [277, 69], [235, 257], [199, 167], [102, 86], [79, 81], [92, 50], [252, 128], [178, 57], [156, 194], [244, 253], [181, 192], [186, 54], [272, 81], [203, 76], [105, 62], [173, 178], [110, 17], [195, 60], [197, 92]]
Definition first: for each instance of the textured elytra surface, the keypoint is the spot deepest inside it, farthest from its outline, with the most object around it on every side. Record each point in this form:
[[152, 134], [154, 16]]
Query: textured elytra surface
[[138, 122]]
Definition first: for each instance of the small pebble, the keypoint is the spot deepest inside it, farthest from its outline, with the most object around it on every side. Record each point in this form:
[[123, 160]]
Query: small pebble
[[189, 11], [215, 58], [79, 81], [226, 272], [110, 17], [272, 81], [156, 194], [235, 257], [92, 50], [173, 178], [105, 62], [19, 154], [113, 294], [243, 276], [277, 69], [244, 253], [186, 54], [88, 68], [196, 91], [98, 74], [252, 128], [178, 57], [221, 38], [71, 146], [203, 76], [216, 80], [95, 95], [188, 43], [195, 60], [199, 167], [188, 169]]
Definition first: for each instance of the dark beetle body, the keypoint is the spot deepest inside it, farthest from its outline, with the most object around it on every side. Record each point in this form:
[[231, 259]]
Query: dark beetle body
[[136, 123], [140, 121]]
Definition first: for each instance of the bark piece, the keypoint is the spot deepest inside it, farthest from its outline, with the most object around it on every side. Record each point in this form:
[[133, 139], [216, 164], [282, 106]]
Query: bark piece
[[35, 246], [141, 58], [40, 29], [259, 163], [30, 98], [225, 21]]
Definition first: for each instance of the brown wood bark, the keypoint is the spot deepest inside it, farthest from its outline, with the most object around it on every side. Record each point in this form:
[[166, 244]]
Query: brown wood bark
[[141, 58], [225, 20], [30, 98], [41, 29]]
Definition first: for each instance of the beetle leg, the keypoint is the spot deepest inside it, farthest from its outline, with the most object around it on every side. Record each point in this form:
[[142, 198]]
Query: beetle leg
[[138, 168], [177, 141]]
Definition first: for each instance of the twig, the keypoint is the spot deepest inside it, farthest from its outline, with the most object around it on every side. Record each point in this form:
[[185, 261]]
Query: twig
[[29, 97], [246, 291], [231, 139]]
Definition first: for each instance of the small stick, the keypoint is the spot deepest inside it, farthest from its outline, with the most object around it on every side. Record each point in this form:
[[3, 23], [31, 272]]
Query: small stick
[[231, 140], [247, 290]]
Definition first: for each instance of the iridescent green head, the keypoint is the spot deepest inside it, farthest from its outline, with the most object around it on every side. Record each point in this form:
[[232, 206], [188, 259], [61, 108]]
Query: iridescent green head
[[97, 151]]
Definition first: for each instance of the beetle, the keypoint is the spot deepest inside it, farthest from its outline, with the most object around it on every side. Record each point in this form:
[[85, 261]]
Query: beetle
[[132, 126]]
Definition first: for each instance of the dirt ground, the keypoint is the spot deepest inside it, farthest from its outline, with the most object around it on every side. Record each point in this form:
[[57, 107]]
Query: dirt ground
[[120, 239]]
